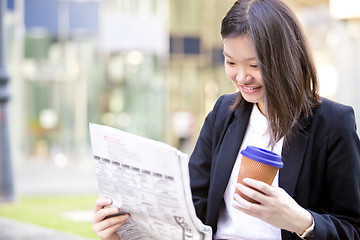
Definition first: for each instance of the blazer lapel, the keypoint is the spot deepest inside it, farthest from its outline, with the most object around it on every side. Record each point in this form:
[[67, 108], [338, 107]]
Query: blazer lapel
[[293, 154], [225, 158]]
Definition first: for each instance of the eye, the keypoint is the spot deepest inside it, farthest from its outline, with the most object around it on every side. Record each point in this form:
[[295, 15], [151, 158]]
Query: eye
[[230, 63], [254, 65]]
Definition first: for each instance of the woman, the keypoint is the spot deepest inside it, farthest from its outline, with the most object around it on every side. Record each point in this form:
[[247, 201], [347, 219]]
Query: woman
[[317, 192]]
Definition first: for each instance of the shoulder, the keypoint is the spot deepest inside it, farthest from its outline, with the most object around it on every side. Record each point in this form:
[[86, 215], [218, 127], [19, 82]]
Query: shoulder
[[221, 108], [333, 121], [225, 101], [331, 107], [334, 113]]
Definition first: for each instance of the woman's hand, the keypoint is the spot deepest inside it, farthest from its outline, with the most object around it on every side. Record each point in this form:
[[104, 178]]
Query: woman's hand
[[276, 206], [105, 227]]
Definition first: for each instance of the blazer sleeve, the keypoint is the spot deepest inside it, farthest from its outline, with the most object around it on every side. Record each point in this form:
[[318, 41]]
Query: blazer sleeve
[[200, 163], [340, 216]]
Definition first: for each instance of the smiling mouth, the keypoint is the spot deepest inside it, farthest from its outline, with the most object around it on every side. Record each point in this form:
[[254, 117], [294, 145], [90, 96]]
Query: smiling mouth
[[250, 88]]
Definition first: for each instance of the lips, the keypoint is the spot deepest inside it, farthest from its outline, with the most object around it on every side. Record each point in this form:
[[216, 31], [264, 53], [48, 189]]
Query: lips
[[250, 89]]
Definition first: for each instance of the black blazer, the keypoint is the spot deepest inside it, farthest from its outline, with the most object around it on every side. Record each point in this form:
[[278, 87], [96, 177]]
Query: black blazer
[[321, 166]]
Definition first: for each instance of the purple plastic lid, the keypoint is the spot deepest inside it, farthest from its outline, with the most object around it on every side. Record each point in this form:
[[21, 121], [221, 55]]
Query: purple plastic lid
[[263, 156]]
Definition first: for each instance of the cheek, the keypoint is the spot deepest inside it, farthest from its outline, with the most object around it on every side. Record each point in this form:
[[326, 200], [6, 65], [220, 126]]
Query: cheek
[[258, 76], [231, 74]]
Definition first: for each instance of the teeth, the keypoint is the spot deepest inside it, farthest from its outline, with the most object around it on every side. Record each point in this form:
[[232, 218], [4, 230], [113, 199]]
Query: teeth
[[250, 88]]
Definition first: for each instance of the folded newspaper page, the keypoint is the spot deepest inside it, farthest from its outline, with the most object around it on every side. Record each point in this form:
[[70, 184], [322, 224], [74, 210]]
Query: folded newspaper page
[[149, 180]]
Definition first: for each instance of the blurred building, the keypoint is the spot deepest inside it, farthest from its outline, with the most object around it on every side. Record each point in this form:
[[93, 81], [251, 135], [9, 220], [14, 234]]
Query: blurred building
[[137, 64]]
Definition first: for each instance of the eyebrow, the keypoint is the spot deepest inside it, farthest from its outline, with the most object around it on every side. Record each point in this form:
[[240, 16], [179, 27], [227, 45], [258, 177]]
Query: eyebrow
[[246, 59]]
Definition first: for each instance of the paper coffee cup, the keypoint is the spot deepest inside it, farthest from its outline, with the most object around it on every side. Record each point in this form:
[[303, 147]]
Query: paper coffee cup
[[259, 164]]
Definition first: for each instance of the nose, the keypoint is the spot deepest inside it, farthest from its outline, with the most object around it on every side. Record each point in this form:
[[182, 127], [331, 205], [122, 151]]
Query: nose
[[243, 77]]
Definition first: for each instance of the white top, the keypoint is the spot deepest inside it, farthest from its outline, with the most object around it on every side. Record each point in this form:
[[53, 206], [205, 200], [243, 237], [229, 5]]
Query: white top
[[233, 224]]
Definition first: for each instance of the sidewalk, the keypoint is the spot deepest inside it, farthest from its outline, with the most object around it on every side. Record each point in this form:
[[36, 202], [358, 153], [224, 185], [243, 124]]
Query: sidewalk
[[33, 178], [14, 230]]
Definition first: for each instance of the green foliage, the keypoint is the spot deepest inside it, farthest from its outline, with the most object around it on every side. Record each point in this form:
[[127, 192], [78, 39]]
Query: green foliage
[[64, 213]]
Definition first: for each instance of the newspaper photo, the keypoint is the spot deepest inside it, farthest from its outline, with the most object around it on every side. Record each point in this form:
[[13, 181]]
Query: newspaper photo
[[150, 181]]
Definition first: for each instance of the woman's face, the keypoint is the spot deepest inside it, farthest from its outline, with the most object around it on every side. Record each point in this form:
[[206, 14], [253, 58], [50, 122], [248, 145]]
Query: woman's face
[[241, 67]]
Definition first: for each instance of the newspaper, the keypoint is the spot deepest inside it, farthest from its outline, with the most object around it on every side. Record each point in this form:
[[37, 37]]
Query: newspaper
[[149, 180]]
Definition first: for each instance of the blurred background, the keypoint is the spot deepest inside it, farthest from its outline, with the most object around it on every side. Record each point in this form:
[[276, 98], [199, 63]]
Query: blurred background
[[150, 67]]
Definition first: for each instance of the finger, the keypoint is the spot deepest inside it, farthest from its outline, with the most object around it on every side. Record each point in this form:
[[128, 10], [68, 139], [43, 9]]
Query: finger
[[238, 207], [241, 202], [104, 212], [111, 223], [105, 234], [101, 202], [251, 193], [109, 232], [243, 205], [259, 185], [107, 228]]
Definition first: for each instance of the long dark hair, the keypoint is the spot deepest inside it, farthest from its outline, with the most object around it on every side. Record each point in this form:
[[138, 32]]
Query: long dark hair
[[283, 57]]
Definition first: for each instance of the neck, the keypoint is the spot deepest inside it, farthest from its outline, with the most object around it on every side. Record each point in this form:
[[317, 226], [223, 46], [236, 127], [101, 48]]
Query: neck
[[261, 107]]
